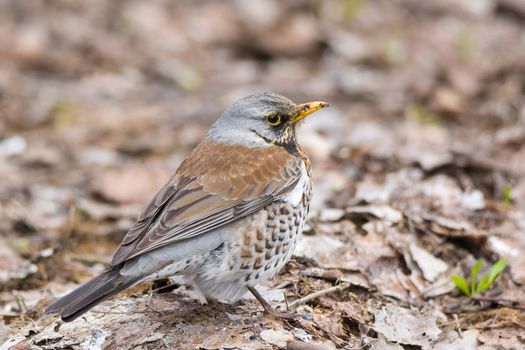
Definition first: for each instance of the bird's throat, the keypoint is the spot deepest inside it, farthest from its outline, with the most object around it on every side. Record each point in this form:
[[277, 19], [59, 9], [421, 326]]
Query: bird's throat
[[287, 140]]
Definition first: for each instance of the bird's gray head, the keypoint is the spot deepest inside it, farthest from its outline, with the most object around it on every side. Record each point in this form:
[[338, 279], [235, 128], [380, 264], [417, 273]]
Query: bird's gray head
[[261, 120]]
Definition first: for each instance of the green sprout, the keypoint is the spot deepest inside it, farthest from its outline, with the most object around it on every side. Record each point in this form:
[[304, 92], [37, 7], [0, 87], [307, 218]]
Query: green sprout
[[62, 112], [421, 114], [507, 194], [474, 286]]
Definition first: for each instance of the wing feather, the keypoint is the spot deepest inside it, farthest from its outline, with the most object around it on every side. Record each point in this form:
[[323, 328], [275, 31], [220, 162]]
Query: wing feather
[[216, 185]]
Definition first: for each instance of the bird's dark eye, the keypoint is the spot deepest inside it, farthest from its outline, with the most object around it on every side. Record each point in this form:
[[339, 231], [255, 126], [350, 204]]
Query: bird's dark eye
[[273, 119]]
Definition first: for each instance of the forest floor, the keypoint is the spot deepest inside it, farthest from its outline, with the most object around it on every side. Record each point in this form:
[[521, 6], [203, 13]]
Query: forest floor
[[419, 166]]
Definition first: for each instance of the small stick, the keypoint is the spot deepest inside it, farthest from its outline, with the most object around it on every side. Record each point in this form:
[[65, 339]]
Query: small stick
[[315, 295], [519, 304], [267, 307]]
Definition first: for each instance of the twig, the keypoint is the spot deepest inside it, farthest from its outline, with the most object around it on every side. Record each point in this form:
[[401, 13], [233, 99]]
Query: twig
[[283, 284], [315, 295], [457, 325], [519, 304], [19, 301], [161, 288]]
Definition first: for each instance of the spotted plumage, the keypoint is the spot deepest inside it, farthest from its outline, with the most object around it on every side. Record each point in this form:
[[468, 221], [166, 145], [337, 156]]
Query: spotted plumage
[[228, 219]]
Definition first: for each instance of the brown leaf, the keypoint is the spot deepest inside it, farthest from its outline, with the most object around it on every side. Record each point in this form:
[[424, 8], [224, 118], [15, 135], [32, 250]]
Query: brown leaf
[[134, 183]]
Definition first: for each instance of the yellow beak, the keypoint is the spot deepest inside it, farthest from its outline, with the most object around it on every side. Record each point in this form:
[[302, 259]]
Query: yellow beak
[[305, 109]]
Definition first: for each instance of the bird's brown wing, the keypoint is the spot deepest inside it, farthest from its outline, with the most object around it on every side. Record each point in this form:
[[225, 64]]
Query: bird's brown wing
[[216, 185]]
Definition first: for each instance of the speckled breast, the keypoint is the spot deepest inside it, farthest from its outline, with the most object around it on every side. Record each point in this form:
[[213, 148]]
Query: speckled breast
[[265, 252]]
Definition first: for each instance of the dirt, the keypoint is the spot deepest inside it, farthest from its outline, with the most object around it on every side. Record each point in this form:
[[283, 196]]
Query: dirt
[[418, 166]]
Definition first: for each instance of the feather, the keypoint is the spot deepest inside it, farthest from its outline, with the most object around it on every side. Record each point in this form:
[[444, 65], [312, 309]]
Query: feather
[[217, 184], [90, 294]]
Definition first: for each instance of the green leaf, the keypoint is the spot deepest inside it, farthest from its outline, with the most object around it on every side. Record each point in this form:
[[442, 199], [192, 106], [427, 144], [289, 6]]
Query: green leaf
[[474, 274], [497, 269], [483, 285], [507, 194], [461, 284]]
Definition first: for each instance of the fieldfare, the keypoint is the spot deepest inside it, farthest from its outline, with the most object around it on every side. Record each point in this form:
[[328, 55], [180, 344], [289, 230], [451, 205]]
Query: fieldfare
[[228, 219]]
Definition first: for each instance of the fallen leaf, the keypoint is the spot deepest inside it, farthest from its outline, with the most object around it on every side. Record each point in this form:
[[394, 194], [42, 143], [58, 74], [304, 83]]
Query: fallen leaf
[[317, 247], [502, 338], [134, 183], [382, 344], [331, 214], [388, 214], [411, 327], [95, 341], [452, 340], [431, 266], [276, 337]]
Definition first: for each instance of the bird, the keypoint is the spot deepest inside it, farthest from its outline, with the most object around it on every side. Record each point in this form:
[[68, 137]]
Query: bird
[[229, 218]]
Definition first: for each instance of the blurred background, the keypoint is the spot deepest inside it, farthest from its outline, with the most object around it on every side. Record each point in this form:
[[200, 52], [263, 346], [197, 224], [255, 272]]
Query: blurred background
[[100, 101]]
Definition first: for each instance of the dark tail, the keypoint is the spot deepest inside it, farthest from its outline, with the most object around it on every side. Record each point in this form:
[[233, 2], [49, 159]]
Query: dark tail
[[91, 293]]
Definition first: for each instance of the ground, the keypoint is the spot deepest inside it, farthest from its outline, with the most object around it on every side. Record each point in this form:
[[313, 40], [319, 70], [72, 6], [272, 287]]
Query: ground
[[418, 166]]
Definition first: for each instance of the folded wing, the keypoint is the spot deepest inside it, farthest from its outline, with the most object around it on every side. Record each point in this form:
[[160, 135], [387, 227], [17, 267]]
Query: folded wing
[[216, 185]]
